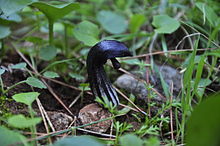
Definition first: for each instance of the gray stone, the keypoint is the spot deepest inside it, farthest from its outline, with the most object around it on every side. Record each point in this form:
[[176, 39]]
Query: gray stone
[[139, 89], [59, 120]]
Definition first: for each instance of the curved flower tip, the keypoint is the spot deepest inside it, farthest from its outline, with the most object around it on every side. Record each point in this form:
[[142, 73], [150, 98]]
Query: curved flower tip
[[97, 57]]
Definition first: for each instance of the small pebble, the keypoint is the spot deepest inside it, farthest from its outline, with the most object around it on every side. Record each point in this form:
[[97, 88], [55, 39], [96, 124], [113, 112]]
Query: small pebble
[[93, 112]]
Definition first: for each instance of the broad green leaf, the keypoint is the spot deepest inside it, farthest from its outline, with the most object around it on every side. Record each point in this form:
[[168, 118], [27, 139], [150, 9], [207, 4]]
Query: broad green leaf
[[4, 31], [54, 12], [136, 22], [47, 53], [165, 24], [51, 74], [76, 76], [19, 65], [203, 126], [20, 121], [204, 82], [32, 81], [9, 137], [112, 22], [78, 141], [12, 17], [86, 32], [208, 13], [2, 70], [26, 98], [130, 140], [11, 6]]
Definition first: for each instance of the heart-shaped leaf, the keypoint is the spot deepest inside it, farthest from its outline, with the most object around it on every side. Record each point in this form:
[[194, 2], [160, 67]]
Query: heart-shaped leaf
[[32, 81], [86, 32], [20, 121], [4, 31], [9, 7], [12, 17], [79, 141], [76, 76], [165, 24], [130, 140], [9, 137], [47, 53], [26, 98], [112, 22], [54, 12], [19, 65], [50, 74]]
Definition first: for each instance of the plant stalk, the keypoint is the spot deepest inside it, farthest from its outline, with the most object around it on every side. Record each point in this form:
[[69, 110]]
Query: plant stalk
[[50, 32]]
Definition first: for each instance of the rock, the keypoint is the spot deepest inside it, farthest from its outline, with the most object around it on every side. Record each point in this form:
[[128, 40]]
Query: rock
[[139, 89], [93, 112], [132, 85], [59, 120], [170, 75]]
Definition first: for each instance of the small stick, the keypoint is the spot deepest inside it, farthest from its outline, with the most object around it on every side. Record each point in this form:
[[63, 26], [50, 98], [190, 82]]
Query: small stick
[[140, 110], [93, 132], [48, 87], [163, 52], [43, 117]]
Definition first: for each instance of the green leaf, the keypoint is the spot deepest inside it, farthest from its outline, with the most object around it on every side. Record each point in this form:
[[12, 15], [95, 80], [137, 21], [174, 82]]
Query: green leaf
[[51, 74], [208, 13], [54, 12], [20, 121], [199, 74], [152, 141], [130, 140], [204, 82], [47, 53], [19, 65], [84, 86], [2, 70], [11, 6], [136, 22], [131, 61], [32, 81], [165, 86], [26, 98], [203, 126], [76, 76], [165, 24], [9, 137], [112, 22], [214, 53], [79, 141], [12, 17], [200, 92], [4, 31], [86, 32], [34, 39]]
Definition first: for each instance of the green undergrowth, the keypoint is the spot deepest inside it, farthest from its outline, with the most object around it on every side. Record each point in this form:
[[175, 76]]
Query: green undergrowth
[[55, 37]]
